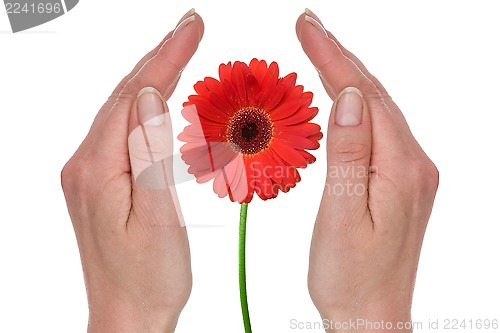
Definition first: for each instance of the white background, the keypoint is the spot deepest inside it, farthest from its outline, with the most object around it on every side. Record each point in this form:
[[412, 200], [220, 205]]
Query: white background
[[438, 60]]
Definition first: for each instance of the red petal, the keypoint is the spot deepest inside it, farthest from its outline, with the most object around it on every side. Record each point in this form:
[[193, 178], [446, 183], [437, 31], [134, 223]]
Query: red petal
[[264, 184], [253, 65], [221, 102], [201, 88], [213, 85], [316, 137], [197, 132], [258, 69], [233, 174], [291, 178], [289, 80], [239, 187], [271, 168], [252, 90], [270, 79], [211, 156], [307, 98], [231, 94], [238, 81], [225, 71], [288, 154], [303, 115], [314, 112], [250, 178], [208, 110], [284, 110], [297, 142], [190, 146], [206, 177], [190, 113], [294, 93], [274, 96], [304, 129], [288, 181], [221, 185], [259, 99], [309, 157]]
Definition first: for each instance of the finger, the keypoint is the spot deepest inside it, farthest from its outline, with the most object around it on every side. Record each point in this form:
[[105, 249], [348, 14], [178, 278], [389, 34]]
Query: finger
[[104, 111], [149, 55], [385, 95], [329, 90], [160, 72], [163, 69], [328, 59], [339, 72], [349, 150], [150, 150]]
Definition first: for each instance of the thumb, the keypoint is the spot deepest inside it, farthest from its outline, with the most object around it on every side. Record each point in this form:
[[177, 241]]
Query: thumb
[[349, 150], [150, 149]]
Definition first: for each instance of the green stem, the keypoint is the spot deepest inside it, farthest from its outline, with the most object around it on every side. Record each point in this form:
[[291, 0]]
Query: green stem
[[242, 273]]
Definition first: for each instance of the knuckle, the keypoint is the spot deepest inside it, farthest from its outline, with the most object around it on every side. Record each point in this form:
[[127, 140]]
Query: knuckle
[[346, 150], [424, 175], [133, 85], [433, 173], [67, 176], [75, 176]]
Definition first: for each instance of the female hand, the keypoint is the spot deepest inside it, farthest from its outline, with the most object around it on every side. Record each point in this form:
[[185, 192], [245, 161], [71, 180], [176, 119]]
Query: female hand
[[378, 195], [133, 246]]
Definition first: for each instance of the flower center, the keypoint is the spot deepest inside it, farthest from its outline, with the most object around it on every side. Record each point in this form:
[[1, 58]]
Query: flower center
[[249, 131]]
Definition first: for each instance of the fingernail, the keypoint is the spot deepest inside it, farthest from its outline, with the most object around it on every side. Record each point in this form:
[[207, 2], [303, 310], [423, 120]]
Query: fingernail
[[150, 107], [310, 13], [189, 12], [183, 24], [316, 24], [349, 109]]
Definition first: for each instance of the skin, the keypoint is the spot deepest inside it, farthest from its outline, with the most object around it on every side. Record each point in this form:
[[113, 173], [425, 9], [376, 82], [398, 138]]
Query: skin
[[366, 245], [365, 248]]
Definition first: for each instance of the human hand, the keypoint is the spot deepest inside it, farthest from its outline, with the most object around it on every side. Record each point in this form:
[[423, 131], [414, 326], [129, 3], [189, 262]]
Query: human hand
[[133, 247], [378, 195]]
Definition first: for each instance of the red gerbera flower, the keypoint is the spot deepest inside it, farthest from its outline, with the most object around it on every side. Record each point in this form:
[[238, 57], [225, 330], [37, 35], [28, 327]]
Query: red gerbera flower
[[249, 131]]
